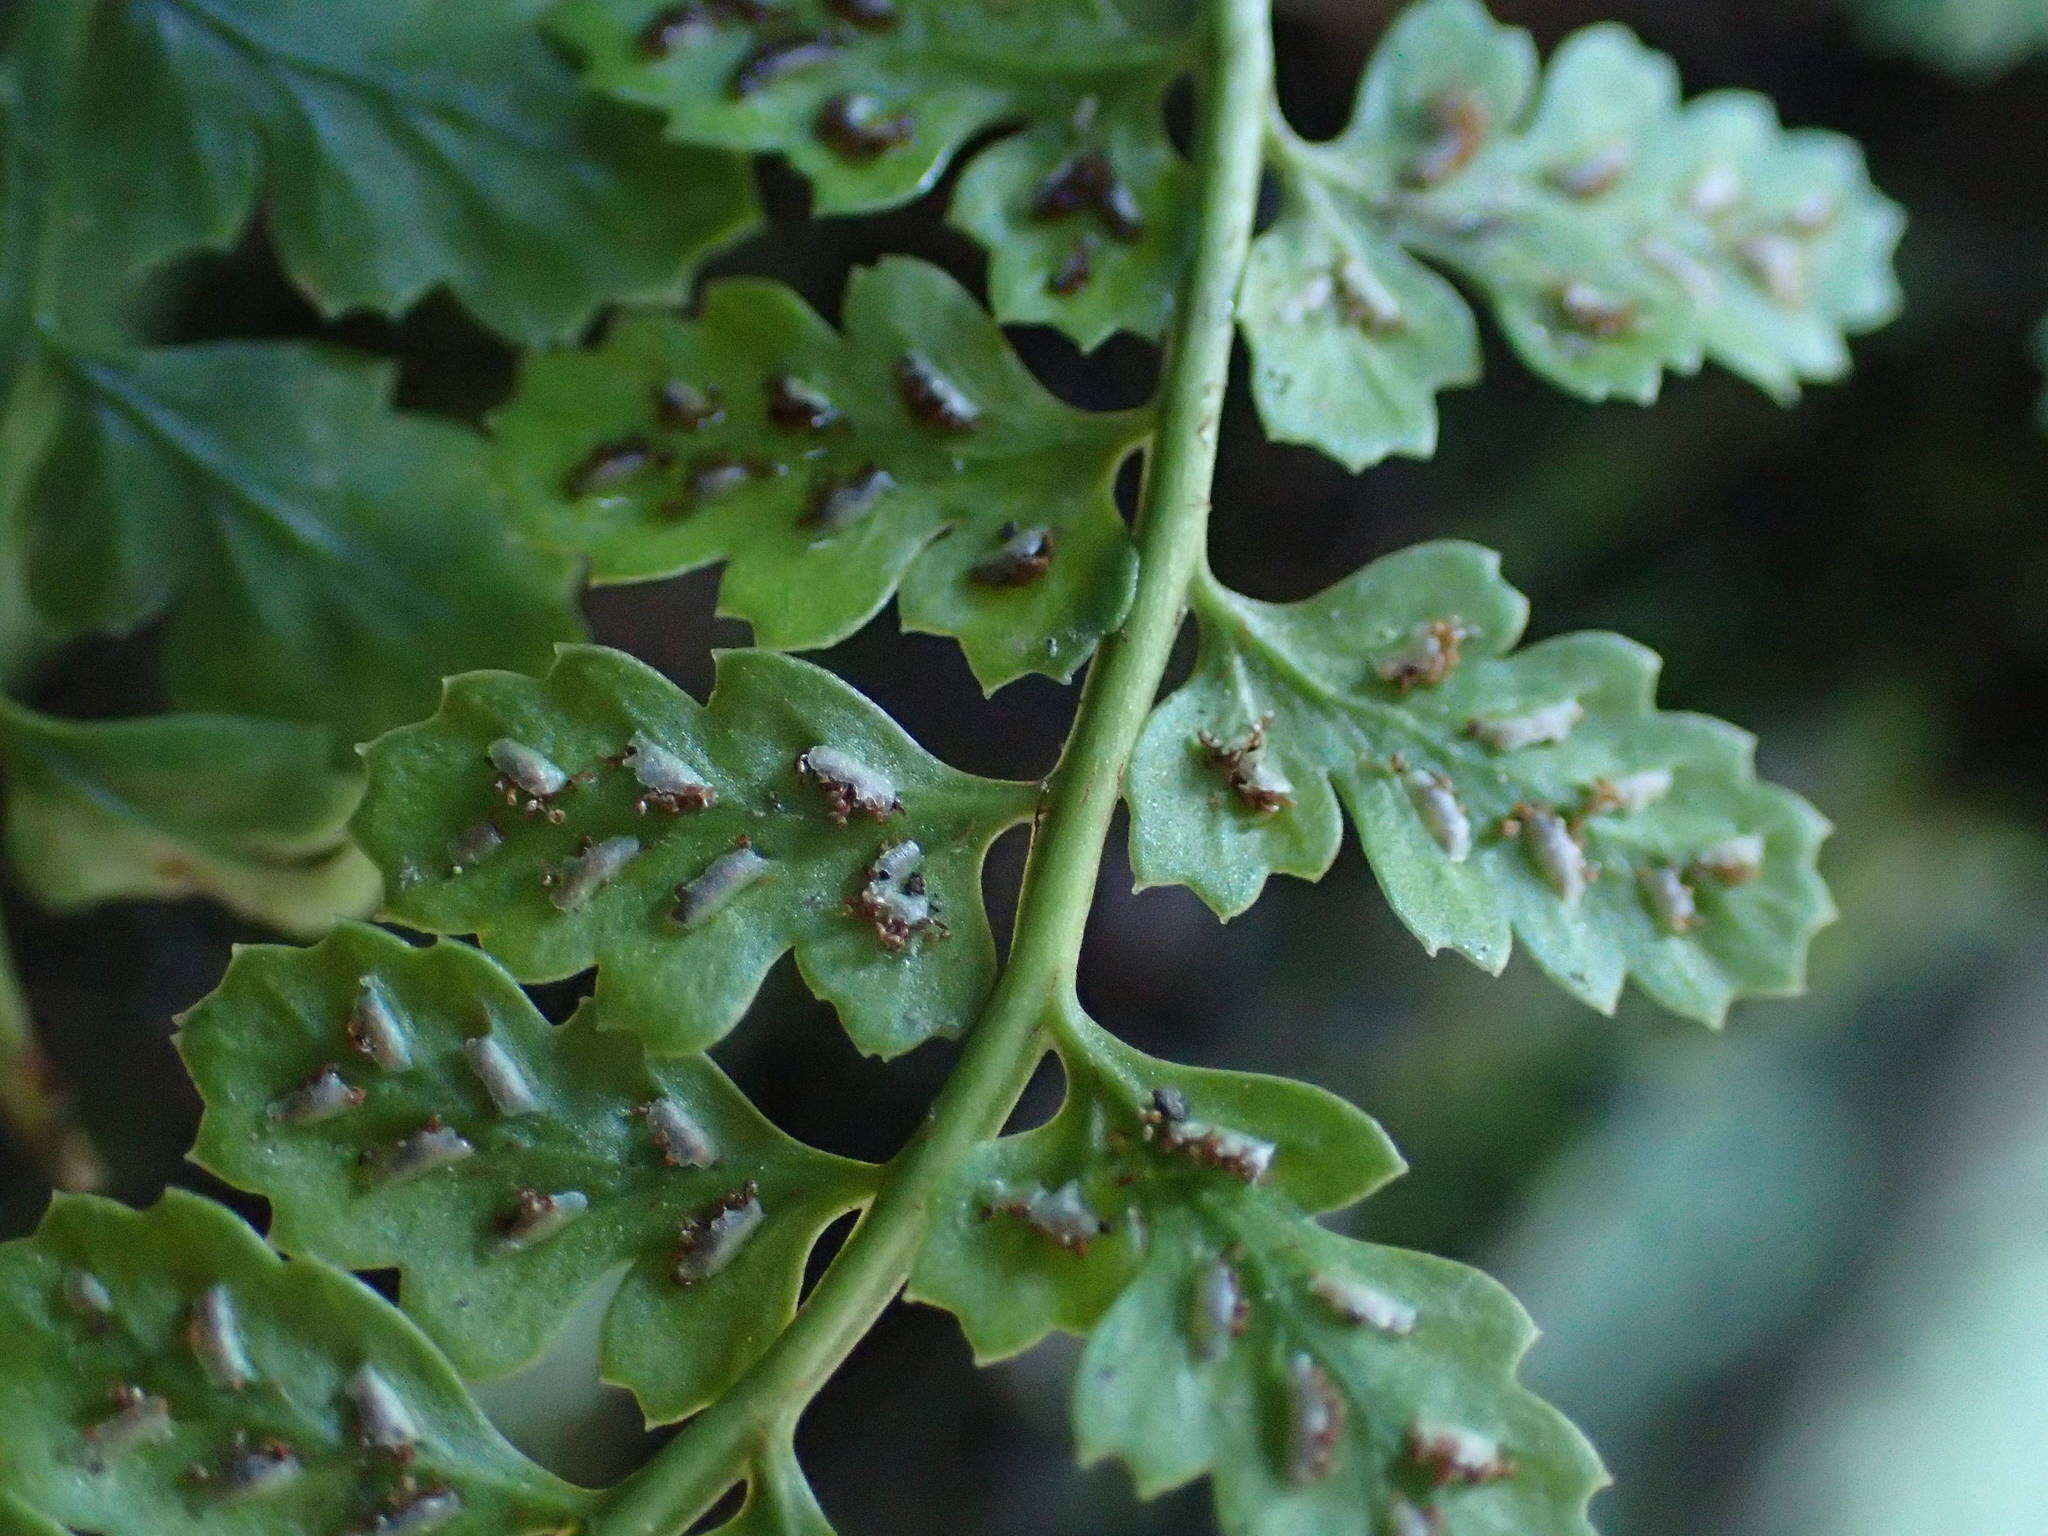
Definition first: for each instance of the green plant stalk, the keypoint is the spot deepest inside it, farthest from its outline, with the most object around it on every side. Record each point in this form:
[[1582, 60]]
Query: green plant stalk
[[1006, 1044]]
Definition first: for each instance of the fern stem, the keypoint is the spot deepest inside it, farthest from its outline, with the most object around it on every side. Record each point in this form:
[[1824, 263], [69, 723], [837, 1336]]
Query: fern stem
[[33, 1108], [716, 1448]]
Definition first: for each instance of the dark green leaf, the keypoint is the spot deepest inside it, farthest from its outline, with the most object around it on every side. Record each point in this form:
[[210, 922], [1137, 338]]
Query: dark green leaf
[[681, 987], [1660, 814], [872, 114], [249, 812], [105, 1300], [660, 451], [407, 146], [1616, 231], [317, 556], [570, 1175], [1210, 1298]]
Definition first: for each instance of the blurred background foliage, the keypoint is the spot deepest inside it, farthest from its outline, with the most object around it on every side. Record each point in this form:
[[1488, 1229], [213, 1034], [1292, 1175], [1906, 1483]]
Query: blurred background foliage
[[1794, 1279]]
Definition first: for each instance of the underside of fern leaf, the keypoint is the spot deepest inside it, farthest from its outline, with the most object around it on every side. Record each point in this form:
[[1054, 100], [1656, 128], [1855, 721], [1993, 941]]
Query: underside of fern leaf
[[166, 1372], [1325, 1385], [409, 1107], [912, 453], [1616, 233], [317, 560], [1497, 792], [1084, 210], [801, 817]]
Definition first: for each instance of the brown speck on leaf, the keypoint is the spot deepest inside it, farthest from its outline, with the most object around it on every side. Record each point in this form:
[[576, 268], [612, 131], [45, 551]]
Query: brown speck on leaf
[[1074, 271], [246, 1470], [1168, 1126], [868, 15], [679, 26], [844, 500], [384, 1425], [796, 406], [1450, 1457], [1590, 312], [717, 475], [856, 126], [682, 407], [1088, 182], [1257, 785], [672, 28], [1315, 1420], [610, 465], [1024, 556], [710, 1240], [848, 785], [891, 896], [413, 1506], [1591, 175], [934, 399], [777, 60], [1061, 1215], [139, 1418], [1430, 654], [1458, 124]]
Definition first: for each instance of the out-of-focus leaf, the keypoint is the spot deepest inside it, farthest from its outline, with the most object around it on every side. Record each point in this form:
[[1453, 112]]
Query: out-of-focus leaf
[[1326, 1385], [2041, 356], [249, 812], [1973, 38], [406, 146], [316, 556], [559, 1172], [871, 99], [678, 443], [167, 1373], [1656, 1266], [1936, 1336], [1538, 793], [768, 866], [1617, 232]]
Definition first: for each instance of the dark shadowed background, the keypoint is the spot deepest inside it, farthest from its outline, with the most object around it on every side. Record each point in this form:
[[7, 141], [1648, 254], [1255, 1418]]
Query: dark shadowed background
[[1794, 1278]]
